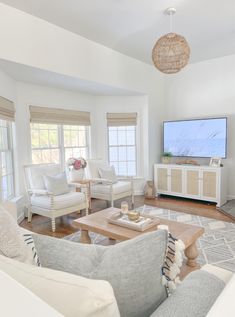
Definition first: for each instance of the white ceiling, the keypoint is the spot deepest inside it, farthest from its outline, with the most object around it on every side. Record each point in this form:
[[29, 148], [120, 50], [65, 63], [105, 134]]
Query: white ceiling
[[41, 77], [133, 26]]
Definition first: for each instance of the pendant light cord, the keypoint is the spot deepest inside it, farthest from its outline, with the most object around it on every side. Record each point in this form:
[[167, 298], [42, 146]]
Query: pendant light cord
[[171, 22]]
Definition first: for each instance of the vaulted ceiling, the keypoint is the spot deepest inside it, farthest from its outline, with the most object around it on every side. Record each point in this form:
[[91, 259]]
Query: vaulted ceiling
[[133, 26]]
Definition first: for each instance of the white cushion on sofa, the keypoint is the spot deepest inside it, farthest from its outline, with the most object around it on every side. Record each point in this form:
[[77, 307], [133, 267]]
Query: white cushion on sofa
[[118, 188], [12, 243], [71, 295], [61, 201], [11, 289]]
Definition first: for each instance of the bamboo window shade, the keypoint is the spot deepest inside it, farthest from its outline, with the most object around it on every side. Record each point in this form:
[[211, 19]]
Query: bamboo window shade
[[7, 109], [59, 116], [121, 119]]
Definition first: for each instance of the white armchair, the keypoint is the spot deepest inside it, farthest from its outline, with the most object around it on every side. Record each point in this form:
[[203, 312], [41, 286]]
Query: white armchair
[[44, 203], [106, 189]]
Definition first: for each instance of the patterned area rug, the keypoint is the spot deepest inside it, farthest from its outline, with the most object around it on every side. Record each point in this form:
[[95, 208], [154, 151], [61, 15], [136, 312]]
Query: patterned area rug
[[216, 246], [229, 208]]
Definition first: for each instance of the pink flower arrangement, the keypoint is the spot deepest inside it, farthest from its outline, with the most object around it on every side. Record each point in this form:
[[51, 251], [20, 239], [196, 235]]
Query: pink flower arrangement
[[76, 163]]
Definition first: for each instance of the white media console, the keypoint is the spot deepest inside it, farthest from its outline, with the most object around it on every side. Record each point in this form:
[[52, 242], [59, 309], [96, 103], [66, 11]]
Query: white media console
[[197, 182]]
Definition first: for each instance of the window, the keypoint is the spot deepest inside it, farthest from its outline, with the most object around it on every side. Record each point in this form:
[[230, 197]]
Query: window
[[45, 143], [122, 149], [52, 143], [75, 141], [6, 159]]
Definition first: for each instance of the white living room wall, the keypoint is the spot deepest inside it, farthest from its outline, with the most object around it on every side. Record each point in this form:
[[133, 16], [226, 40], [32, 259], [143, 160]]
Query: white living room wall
[[31, 41], [206, 89], [7, 86]]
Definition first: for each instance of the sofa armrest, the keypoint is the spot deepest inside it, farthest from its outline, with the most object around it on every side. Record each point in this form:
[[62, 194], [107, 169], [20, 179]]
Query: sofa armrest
[[194, 297], [225, 304]]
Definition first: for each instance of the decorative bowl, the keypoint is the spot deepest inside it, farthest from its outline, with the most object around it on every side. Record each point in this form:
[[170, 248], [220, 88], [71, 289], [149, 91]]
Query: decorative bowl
[[133, 215]]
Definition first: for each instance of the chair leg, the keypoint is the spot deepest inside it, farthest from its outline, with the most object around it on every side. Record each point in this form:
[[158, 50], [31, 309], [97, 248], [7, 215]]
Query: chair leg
[[53, 224], [29, 214], [87, 210]]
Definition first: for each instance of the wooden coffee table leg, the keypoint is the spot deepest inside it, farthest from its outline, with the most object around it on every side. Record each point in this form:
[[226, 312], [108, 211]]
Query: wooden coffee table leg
[[192, 253], [85, 238]]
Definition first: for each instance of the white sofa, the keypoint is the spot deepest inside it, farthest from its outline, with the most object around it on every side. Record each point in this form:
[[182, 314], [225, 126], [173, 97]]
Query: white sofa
[[72, 295], [14, 297]]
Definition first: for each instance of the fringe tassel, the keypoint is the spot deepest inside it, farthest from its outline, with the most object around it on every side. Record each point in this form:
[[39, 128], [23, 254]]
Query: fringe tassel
[[172, 262]]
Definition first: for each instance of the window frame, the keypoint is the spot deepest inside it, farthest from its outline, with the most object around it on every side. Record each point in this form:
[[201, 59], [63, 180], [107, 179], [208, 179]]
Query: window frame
[[10, 149], [135, 146], [61, 144], [63, 147]]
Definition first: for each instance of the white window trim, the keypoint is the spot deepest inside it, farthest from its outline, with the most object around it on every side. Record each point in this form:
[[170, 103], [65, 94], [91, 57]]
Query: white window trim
[[11, 150], [61, 146], [136, 145]]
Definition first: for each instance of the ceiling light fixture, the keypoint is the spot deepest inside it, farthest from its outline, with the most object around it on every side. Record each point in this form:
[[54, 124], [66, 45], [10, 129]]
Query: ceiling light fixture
[[171, 52]]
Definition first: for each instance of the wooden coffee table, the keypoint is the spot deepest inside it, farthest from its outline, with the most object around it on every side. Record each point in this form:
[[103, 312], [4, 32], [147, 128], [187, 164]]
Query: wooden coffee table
[[98, 223]]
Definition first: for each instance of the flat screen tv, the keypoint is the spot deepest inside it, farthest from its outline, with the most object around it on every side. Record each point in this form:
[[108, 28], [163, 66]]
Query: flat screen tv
[[196, 138]]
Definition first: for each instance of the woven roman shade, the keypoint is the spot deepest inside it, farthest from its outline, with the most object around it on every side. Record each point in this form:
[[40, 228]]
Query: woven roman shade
[[121, 119], [58, 116], [7, 109]]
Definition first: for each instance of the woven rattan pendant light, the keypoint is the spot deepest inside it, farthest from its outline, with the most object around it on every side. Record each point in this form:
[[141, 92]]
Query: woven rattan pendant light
[[171, 52]]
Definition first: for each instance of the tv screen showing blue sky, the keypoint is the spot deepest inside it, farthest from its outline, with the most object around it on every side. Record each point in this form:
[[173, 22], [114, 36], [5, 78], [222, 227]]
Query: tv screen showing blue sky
[[196, 138]]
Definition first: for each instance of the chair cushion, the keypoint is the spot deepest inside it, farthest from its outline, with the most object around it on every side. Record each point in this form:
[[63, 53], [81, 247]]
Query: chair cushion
[[61, 201], [71, 295], [118, 188], [57, 185], [193, 297], [108, 173], [92, 169], [12, 244], [132, 267], [35, 174]]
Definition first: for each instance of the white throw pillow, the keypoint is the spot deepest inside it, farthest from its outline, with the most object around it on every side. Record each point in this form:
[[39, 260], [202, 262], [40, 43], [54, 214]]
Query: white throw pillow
[[71, 295], [57, 185], [12, 243], [108, 173]]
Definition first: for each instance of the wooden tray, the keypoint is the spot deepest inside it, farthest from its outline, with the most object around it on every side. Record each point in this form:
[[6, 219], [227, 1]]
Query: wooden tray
[[115, 219]]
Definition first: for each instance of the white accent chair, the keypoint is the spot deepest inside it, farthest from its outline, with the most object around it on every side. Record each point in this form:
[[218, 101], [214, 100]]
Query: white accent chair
[[44, 203], [105, 189]]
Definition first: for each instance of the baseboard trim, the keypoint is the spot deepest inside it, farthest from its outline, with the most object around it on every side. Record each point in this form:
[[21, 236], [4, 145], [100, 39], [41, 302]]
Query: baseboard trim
[[229, 197]]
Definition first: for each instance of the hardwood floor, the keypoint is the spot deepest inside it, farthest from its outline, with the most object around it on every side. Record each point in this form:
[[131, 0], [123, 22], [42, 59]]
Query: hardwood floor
[[64, 225]]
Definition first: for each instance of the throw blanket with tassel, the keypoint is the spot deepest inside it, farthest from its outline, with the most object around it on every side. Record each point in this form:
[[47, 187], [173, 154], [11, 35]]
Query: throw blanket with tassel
[[173, 261]]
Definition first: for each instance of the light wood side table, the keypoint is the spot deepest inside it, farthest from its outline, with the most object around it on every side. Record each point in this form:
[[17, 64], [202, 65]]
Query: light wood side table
[[86, 184]]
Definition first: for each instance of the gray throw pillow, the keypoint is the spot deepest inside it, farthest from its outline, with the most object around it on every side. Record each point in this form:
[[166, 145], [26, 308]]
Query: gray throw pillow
[[133, 267], [57, 185]]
